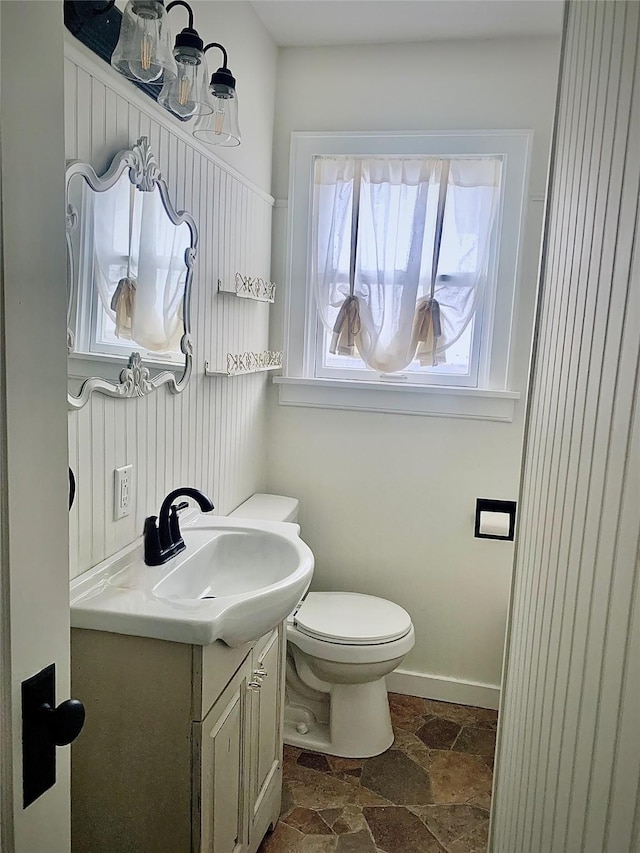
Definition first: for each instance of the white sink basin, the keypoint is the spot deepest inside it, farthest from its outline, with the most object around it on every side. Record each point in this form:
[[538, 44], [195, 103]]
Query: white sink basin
[[236, 580]]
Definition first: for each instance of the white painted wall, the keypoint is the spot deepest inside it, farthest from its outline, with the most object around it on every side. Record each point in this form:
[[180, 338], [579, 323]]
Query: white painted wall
[[387, 501], [211, 436], [568, 760], [252, 60]]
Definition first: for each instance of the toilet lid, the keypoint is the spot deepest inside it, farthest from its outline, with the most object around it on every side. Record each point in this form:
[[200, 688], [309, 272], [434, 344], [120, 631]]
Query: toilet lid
[[351, 618]]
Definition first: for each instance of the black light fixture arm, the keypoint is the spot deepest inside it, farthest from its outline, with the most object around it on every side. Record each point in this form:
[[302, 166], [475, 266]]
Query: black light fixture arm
[[189, 37], [223, 83], [186, 6], [220, 47]]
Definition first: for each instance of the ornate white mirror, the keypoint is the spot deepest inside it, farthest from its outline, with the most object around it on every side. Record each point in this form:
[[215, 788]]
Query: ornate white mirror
[[130, 259]]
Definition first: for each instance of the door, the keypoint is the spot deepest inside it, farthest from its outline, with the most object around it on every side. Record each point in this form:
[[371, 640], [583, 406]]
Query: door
[[266, 715], [568, 758], [221, 741], [34, 618]]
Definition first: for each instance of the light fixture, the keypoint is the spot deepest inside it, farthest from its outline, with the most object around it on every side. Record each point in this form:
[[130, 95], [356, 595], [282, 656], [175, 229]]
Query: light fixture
[[221, 126], [143, 54], [143, 51], [187, 94]]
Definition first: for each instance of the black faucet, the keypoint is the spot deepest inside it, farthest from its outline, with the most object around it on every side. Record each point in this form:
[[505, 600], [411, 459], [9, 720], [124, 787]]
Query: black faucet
[[162, 537]]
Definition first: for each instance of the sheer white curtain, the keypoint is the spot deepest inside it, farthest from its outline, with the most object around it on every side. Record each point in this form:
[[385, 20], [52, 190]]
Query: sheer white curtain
[[139, 263], [332, 234], [400, 252]]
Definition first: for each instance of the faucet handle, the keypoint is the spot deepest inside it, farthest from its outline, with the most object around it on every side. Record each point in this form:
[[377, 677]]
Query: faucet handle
[[174, 525], [152, 548]]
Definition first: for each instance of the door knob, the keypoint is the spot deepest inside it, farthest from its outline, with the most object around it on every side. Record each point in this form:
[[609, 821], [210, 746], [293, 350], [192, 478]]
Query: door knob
[[65, 722], [72, 488], [44, 727]]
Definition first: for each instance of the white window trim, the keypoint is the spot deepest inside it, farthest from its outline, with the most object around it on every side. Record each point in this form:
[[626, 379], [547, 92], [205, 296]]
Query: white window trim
[[437, 400], [492, 399]]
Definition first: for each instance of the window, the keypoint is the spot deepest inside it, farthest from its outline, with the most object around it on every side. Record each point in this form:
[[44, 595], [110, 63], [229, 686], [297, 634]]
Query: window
[[403, 259], [401, 251]]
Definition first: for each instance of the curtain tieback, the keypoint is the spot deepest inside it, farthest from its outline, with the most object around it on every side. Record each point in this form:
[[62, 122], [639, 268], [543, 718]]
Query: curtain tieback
[[122, 302], [429, 330], [346, 328]]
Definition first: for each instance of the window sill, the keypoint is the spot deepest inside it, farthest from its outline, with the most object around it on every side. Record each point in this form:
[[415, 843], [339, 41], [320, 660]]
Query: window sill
[[441, 401]]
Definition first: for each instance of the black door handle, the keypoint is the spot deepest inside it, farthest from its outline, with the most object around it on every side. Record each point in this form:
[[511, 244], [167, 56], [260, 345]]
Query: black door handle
[[44, 727], [64, 722], [72, 487]]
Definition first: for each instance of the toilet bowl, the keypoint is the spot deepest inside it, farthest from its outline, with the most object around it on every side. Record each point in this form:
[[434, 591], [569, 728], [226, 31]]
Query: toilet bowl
[[340, 647]]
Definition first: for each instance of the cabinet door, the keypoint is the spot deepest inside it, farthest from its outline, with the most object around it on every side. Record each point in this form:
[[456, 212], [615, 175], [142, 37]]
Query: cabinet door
[[220, 742], [266, 742]]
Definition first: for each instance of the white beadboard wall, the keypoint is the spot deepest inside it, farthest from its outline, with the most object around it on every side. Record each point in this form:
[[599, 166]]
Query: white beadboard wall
[[568, 762], [211, 435]]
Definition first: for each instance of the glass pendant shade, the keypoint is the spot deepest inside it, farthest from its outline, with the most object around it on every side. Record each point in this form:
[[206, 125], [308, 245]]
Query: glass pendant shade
[[221, 127], [187, 94], [143, 51]]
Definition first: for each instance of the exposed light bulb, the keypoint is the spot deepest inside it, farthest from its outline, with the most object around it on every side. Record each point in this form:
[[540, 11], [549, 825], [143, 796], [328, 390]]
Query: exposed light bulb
[[147, 68], [218, 122], [176, 96], [184, 89], [146, 49]]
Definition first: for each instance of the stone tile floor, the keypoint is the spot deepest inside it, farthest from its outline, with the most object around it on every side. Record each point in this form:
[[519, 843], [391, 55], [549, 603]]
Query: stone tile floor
[[429, 793]]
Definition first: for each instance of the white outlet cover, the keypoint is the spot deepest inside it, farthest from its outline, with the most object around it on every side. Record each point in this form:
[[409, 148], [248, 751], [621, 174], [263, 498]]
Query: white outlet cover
[[122, 492]]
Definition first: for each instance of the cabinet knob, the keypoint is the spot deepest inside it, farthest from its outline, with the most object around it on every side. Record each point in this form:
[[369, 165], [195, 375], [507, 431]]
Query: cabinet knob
[[260, 673], [254, 685]]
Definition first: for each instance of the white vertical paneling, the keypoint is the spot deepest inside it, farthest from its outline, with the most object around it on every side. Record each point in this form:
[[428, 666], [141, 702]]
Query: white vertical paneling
[[210, 436], [568, 765]]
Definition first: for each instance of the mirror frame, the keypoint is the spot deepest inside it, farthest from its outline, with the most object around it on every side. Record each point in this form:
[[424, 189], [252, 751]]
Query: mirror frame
[[135, 380]]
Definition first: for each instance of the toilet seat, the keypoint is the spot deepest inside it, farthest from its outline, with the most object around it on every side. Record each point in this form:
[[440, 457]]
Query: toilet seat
[[352, 619]]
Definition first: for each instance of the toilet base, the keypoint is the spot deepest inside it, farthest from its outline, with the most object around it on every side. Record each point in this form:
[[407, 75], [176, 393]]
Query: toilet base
[[358, 726]]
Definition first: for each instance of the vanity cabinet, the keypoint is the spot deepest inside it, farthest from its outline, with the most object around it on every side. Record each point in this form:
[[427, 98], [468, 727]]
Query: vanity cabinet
[[182, 747]]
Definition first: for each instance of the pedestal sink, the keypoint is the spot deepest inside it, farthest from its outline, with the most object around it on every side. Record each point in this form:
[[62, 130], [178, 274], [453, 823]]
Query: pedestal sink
[[236, 580]]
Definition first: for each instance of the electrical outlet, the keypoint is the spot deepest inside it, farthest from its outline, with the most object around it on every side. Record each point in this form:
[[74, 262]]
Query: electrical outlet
[[122, 492]]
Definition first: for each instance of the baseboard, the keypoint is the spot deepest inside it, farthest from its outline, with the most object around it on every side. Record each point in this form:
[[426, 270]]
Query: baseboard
[[444, 689]]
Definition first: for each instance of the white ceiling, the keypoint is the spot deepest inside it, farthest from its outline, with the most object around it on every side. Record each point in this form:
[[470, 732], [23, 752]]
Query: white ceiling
[[331, 22]]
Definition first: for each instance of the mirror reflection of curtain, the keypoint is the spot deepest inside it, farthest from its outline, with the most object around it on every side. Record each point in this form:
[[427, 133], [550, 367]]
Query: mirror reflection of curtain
[[400, 253], [134, 239]]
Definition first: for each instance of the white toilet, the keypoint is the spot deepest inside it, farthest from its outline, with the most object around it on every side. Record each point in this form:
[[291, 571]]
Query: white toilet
[[341, 645]]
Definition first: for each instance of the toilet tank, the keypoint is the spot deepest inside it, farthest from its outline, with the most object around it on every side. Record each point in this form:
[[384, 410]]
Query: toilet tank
[[268, 508]]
